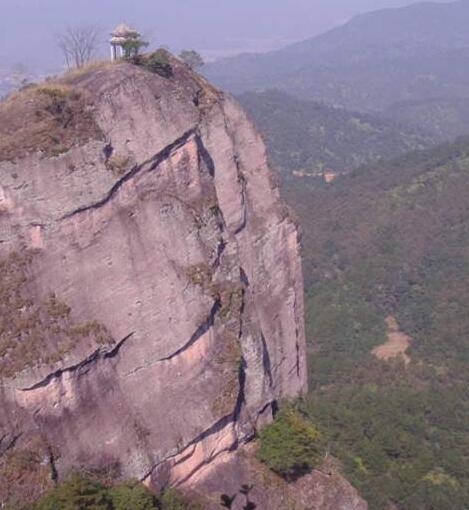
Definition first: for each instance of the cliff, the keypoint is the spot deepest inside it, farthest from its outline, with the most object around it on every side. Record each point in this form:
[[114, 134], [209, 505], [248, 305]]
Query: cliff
[[151, 310]]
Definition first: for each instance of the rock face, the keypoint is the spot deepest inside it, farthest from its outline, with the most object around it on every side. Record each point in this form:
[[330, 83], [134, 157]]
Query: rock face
[[152, 300], [322, 489]]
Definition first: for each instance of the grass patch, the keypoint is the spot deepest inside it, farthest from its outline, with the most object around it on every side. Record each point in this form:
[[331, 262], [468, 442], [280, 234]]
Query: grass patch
[[119, 164], [24, 475], [50, 118], [36, 330]]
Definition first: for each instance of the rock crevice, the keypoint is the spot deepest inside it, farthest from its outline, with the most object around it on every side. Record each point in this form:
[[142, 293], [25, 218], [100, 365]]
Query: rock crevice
[[91, 359], [148, 165]]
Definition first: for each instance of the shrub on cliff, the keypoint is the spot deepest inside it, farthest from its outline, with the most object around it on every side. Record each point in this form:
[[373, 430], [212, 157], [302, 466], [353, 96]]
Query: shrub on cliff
[[156, 62], [171, 499], [132, 496], [290, 446], [192, 59], [132, 48], [80, 492]]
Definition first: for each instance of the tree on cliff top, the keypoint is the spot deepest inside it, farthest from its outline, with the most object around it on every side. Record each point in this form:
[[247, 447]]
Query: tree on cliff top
[[80, 492], [191, 58], [132, 47], [78, 44]]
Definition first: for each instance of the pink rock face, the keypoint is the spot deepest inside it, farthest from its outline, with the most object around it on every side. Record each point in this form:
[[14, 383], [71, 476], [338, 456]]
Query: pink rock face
[[171, 235], [322, 489]]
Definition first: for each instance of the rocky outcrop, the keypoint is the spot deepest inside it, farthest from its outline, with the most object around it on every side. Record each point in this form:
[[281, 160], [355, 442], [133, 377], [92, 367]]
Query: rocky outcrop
[[322, 489], [154, 279]]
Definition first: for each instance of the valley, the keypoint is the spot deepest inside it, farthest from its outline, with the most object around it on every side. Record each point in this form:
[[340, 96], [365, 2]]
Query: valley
[[385, 262], [312, 139]]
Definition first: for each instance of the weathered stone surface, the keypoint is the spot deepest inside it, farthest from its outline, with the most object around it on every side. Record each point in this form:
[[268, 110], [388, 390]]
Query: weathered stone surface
[[322, 489], [169, 234]]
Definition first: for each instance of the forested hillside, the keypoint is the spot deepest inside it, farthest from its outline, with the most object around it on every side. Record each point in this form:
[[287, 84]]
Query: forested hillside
[[445, 119], [308, 137], [387, 247]]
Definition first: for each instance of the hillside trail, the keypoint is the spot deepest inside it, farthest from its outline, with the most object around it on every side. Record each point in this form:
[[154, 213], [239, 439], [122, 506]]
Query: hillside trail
[[396, 344]]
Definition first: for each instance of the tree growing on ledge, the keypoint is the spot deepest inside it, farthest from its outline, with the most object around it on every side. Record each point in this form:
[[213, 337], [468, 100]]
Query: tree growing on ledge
[[192, 59], [290, 446]]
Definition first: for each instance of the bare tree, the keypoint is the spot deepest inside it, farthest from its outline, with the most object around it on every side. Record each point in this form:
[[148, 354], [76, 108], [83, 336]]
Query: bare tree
[[78, 44]]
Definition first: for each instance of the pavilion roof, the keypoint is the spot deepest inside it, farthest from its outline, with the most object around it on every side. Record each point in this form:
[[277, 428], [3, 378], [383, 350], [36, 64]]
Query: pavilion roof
[[123, 30]]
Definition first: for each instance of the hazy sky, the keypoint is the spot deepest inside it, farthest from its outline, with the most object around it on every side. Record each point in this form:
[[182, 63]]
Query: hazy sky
[[214, 27]]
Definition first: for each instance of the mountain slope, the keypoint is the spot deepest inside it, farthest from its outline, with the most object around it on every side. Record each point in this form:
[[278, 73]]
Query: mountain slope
[[375, 60], [308, 137], [444, 118], [386, 259]]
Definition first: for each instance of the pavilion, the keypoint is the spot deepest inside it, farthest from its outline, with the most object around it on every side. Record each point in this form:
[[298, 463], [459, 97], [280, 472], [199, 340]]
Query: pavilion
[[119, 36]]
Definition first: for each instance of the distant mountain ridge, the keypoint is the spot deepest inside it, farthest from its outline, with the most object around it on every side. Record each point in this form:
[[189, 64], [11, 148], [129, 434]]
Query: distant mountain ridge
[[375, 60]]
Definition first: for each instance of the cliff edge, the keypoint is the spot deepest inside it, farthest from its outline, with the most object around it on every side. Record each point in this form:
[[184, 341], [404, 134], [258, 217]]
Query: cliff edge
[[151, 309]]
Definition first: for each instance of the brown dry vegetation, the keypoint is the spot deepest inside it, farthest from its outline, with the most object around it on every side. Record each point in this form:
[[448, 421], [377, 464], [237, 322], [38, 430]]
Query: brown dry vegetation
[[33, 330], [396, 345], [25, 475], [50, 118]]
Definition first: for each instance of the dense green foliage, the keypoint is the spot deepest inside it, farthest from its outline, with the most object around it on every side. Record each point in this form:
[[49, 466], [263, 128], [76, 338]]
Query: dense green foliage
[[82, 493], [312, 137], [157, 62], [170, 499], [445, 118], [290, 445], [132, 47], [401, 444], [392, 240]]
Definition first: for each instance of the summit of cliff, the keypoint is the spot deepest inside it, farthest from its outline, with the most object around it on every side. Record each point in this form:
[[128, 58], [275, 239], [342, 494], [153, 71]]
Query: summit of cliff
[[58, 114]]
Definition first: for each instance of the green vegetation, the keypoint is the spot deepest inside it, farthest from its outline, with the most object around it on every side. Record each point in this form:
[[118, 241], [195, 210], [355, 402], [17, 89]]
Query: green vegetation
[[80, 492], [157, 62], [24, 476], [34, 329], [290, 445], [119, 164], [171, 499], [309, 137], [132, 47], [445, 118], [191, 58], [399, 443], [392, 240]]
